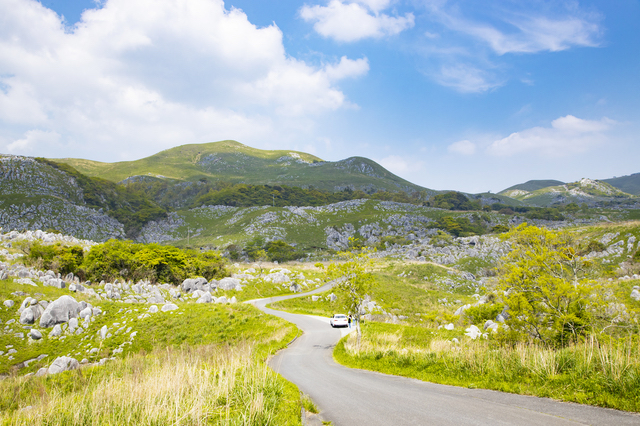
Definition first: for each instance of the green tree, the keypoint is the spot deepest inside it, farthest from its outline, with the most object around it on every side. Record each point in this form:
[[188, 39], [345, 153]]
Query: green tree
[[280, 251], [353, 279], [546, 289]]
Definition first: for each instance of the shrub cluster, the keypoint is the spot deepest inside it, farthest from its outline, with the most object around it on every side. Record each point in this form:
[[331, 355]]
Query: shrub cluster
[[278, 250], [127, 260]]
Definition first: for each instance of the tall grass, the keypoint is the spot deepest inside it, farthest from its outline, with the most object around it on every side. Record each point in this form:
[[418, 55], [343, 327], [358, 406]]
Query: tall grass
[[604, 373], [175, 386]]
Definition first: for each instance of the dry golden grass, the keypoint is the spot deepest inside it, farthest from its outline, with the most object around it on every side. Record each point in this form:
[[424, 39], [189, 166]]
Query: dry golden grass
[[186, 386]]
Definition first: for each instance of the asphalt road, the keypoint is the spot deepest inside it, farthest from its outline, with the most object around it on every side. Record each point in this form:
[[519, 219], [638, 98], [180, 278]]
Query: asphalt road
[[348, 396]]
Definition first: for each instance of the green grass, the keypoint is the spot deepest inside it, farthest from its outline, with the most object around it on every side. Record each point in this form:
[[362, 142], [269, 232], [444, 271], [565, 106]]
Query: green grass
[[605, 374], [177, 358], [235, 162], [410, 289]]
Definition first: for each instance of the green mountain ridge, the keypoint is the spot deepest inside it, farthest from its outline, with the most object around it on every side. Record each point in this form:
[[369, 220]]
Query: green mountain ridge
[[589, 191], [533, 185], [233, 162], [629, 184]]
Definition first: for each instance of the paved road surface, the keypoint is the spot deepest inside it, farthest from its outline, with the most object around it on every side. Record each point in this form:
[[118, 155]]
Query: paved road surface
[[348, 396]]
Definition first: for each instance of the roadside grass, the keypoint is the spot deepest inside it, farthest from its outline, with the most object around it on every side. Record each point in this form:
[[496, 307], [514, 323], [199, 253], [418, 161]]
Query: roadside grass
[[201, 363], [208, 384], [602, 372]]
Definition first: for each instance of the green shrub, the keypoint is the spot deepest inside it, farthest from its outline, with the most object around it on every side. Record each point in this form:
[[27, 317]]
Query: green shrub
[[128, 260], [57, 257], [481, 313]]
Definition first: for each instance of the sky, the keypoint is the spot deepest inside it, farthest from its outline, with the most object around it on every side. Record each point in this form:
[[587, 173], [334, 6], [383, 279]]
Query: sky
[[448, 94]]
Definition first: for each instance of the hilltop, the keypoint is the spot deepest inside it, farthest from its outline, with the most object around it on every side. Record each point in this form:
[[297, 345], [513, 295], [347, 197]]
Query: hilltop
[[545, 193], [233, 162]]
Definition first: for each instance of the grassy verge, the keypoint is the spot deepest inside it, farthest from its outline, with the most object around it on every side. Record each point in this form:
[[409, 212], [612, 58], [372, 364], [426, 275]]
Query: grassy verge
[[605, 374], [199, 364], [187, 385]]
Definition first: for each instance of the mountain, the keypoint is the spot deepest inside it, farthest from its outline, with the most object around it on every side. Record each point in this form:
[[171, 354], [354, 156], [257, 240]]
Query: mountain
[[231, 161], [629, 184], [530, 186], [583, 191], [36, 193]]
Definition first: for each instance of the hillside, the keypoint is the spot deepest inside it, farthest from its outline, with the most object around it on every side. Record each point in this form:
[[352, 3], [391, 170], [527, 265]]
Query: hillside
[[587, 191], [532, 185], [629, 184], [40, 194], [234, 162]]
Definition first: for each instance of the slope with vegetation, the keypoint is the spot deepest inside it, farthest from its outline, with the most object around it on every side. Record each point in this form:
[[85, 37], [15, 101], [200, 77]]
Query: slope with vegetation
[[189, 362], [231, 161]]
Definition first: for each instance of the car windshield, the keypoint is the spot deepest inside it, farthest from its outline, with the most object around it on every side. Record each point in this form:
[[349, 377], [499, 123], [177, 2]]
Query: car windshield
[[340, 316]]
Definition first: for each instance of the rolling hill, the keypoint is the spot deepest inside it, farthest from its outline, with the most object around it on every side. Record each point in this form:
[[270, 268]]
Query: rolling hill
[[629, 184], [231, 161], [540, 193]]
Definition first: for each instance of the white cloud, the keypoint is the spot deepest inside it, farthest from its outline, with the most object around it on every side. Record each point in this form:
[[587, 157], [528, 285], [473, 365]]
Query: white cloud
[[567, 136], [467, 78], [33, 138], [464, 147], [138, 75], [347, 68], [353, 21], [400, 165], [474, 35], [526, 28]]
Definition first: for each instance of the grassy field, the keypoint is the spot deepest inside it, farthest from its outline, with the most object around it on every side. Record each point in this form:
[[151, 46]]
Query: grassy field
[[603, 373], [411, 289]]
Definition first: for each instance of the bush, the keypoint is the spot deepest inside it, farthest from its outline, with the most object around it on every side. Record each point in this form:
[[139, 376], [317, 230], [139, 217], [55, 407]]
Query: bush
[[480, 314], [128, 260], [281, 252], [58, 258]]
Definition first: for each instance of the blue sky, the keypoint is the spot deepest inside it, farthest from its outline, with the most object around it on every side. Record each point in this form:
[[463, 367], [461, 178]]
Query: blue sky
[[448, 94]]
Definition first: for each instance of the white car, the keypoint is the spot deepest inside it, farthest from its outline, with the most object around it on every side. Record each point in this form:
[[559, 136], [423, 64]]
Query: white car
[[339, 320]]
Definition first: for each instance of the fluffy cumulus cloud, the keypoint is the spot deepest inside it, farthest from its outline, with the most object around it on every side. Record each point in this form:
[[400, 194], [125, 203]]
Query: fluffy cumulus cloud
[[136, 75], [349, 21], [464, 147], [567, 136]]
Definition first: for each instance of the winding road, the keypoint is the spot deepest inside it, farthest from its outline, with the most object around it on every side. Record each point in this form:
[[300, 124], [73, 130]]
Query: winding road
[[349, 396]]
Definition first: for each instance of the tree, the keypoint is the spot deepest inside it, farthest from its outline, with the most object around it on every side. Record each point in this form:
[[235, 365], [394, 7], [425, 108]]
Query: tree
[[545, 286], [353, 281]]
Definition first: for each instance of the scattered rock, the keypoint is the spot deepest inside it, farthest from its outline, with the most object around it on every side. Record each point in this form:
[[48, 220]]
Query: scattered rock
[[229, 284], [63, 363], [169, 307], [205, 298], [57, 330], [59, 311], [153, 309], [35, 334]]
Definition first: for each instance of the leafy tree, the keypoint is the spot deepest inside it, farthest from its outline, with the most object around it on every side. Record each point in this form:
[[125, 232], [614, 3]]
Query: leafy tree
[[353, 280], [545, 287], [453, 200], [280, 251]]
